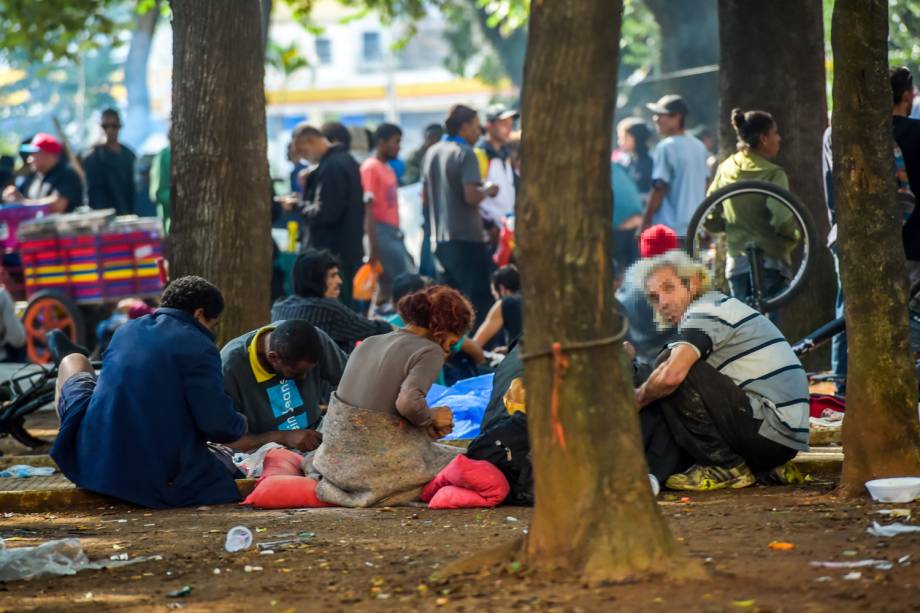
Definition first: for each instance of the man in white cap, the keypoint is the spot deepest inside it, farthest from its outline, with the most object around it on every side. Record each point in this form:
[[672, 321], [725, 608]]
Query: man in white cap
[[679, 173], [499, 124]]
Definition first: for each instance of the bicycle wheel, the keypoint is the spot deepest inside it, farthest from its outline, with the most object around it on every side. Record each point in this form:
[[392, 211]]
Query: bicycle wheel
[[805, 252]]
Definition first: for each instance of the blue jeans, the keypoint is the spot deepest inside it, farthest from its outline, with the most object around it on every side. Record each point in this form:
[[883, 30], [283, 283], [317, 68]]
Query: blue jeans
[[467, 268], [394, 258], [839, 343]]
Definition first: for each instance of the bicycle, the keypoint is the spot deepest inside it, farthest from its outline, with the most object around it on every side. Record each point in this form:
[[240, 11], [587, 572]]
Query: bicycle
[[710, 213], [30, 389]]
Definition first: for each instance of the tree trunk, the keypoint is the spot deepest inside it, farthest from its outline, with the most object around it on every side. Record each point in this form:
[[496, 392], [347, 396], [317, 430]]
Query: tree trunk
[[789, 84], [510, 49], [594, 514], [266, 23], [881, 433], [688, 32], [137, 122], [220, 183]]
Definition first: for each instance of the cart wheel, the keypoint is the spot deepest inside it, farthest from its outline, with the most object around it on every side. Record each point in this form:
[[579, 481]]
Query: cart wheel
[[50, 310]]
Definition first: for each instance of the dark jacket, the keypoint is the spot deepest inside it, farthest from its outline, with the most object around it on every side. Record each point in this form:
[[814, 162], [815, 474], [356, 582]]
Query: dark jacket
[[110, 179], [335, 207], [159, 399]]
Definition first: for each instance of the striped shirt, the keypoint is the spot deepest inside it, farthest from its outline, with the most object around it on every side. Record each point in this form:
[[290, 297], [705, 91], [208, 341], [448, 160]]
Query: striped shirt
[[331, 316], [746, 347]]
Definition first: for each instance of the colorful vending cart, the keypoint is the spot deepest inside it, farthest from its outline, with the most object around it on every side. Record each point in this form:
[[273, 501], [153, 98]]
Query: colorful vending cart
[[76, 267]]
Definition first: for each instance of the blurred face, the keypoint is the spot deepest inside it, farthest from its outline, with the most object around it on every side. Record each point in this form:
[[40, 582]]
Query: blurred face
[[500, 129], [769, 143], [668, 294], [667, 124], [333, 283], [449, 341], [471, 131], [42, 161], [201, 318], [110, 126], [625, 141], [390, 148], [310, 148], [294, 370]]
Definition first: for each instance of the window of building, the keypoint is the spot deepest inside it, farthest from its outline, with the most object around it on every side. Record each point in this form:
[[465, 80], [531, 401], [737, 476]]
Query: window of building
[[324, 50], [370, 47]]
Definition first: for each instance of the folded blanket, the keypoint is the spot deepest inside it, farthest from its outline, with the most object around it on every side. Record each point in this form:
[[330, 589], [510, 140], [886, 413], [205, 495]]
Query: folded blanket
[[370, 458]]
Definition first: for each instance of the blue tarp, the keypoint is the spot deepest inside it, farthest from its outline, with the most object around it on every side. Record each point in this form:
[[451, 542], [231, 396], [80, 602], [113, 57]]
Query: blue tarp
[[468, 400]]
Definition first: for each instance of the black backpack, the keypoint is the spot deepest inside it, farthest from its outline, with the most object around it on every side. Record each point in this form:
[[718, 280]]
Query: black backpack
[[506, 446]]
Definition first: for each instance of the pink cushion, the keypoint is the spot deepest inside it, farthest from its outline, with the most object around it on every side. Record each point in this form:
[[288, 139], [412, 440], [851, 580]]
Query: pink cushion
[[466, 483], [285, 492], [281, 462]]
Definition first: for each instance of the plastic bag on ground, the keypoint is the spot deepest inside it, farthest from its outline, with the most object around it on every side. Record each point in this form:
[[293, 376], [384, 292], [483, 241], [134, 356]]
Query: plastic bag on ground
[[21, 471], [467, 400], [54, 558], [251, 465]]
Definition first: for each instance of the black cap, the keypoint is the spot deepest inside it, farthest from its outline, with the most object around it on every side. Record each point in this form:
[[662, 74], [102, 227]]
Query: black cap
[[672, 104]]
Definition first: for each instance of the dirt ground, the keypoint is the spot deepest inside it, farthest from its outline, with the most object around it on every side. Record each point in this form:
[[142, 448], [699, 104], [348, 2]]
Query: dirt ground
[[383, 559]]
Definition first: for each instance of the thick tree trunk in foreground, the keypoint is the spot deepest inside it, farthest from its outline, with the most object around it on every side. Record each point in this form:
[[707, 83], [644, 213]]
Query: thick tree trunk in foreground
[[220, 183], [787, 80], [881, 433], [594, 515]]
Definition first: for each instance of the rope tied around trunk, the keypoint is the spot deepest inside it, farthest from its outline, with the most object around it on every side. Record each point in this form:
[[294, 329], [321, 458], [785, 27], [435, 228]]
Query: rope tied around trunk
[[561, 364]]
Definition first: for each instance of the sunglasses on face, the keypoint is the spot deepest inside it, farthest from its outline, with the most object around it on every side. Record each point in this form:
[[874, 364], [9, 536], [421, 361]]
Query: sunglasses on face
[[110, 126]]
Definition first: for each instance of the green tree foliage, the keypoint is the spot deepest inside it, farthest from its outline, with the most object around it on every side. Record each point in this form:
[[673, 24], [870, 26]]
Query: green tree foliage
[[903, 32], [58, 88], [46, 30]]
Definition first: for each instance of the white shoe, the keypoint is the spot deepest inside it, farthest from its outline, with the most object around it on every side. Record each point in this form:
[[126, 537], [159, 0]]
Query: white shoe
[[653, 481]]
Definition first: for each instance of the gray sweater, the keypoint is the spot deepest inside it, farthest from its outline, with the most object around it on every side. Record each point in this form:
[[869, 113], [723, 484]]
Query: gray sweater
[[392, 373]]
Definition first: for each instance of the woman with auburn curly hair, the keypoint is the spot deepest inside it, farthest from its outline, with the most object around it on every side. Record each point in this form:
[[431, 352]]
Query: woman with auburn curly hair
[[378, 436]]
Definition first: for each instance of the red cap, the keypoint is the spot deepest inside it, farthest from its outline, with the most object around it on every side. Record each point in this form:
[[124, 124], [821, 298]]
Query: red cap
[[657, 240], [43, 142]]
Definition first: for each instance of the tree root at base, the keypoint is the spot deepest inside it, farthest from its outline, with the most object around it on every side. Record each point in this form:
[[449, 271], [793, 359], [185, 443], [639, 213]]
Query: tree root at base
[[503, 554], [678, 568]]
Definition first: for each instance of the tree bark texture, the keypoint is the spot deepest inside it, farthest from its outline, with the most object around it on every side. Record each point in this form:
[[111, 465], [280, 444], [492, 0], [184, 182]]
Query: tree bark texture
[[881, 433], [773, 60], [688, 32], [137, 123], [221, 226], [594, 514]]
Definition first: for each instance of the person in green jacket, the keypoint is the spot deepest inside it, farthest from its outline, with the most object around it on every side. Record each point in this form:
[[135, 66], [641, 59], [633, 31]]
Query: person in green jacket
[[754, 218], [159, 186]]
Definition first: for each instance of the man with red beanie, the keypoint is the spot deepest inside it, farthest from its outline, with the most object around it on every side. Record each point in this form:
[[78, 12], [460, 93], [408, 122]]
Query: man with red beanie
[[54, 183], [657, 240], [647, 339]]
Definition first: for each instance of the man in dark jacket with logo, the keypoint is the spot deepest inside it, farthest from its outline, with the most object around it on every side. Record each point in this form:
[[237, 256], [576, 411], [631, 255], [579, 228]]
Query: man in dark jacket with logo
[[139, 432]]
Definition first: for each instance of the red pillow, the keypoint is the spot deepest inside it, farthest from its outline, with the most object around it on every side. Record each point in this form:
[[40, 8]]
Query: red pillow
[[466, 483], [285, 492], [453, 497], [281, 462]]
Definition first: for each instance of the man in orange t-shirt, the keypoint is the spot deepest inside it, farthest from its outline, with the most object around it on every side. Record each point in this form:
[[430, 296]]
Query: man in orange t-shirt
[[382, 216]]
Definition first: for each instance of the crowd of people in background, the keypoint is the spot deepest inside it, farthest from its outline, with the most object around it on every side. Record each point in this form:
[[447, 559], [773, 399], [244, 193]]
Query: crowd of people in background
[[723, 399]]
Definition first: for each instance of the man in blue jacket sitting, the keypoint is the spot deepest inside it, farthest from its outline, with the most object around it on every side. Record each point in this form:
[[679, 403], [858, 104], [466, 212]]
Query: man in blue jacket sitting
[[139, 432]]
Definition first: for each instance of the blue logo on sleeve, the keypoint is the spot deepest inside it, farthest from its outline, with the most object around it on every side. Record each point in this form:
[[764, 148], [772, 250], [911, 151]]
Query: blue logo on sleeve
[[285, 399]]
